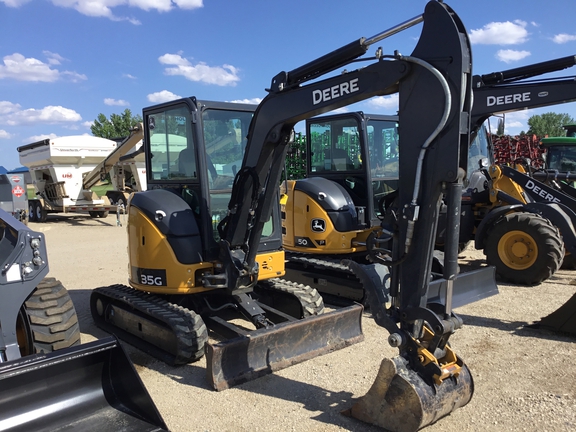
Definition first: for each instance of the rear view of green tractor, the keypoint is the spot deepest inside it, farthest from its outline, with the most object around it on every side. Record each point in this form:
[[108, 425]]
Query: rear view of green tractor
[[48, 381]]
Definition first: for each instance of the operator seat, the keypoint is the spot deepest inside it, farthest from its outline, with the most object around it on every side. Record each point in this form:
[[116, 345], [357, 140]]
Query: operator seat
[[340, 161], [187, 162]]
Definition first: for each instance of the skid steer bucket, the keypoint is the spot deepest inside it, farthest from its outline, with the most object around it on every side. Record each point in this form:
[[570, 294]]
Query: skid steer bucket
[[264, 351], [89, 387], [400, 400], [562, 320]]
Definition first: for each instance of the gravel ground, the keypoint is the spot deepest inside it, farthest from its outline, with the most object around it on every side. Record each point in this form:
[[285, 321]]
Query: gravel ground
[[524, 378]]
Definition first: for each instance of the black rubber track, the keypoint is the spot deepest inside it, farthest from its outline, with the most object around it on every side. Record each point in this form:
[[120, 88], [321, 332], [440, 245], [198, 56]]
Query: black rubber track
[[311, 303], [187, 326]]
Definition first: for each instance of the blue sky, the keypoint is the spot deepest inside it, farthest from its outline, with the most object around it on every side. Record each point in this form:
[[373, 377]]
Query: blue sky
[[62, 62]]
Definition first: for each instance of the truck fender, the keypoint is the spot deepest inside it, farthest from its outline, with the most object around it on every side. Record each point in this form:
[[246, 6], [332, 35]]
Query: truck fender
[[489, 220]]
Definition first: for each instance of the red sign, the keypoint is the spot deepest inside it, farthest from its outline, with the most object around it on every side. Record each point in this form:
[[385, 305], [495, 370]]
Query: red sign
[[15, 179], [18, 191], [67, 175]]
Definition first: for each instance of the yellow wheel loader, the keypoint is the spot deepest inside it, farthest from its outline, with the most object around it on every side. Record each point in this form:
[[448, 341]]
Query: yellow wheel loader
[[205, 242], [48, 380]]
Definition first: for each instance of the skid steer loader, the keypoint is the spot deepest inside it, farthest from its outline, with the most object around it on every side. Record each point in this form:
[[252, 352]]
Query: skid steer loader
[[174, 252], [48, 381]]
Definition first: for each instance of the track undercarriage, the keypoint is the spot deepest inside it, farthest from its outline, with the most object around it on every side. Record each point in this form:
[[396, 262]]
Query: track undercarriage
[[178, 329]]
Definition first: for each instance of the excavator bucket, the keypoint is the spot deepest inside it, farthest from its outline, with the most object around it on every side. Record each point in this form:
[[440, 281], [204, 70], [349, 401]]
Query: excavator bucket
[[264, 351], [562, 320], [83, 388], [400, 400]]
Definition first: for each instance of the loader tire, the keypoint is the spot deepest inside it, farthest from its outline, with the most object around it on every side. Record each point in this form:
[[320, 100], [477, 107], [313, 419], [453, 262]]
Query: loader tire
[[294, 299], [525, 248], [47, 320]]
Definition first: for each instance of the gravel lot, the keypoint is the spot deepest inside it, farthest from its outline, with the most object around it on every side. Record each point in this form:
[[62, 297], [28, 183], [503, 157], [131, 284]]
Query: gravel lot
[[524, 379]]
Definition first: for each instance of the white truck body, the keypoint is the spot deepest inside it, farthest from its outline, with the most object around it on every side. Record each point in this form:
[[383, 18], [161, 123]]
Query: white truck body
[[57, 167]]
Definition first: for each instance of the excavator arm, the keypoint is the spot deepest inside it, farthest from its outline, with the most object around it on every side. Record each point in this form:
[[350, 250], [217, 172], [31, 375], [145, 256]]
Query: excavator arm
[[509, 90], [434, 86]]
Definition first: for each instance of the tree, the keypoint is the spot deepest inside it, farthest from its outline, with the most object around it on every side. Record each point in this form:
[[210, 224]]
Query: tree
[[115, 127], [548, 124]]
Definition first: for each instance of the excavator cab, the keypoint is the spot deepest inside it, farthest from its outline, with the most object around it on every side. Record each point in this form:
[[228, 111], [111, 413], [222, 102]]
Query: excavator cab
[[371, 142]]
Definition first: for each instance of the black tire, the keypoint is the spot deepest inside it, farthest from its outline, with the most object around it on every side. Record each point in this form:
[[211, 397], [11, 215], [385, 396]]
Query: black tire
[[525, 248], [93, 214], [294, 299], [102, 214], [32, 211], [47, 321], [40, 212]]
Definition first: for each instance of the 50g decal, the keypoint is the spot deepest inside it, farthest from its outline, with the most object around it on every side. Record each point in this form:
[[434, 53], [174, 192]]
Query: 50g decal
[[153, 277]]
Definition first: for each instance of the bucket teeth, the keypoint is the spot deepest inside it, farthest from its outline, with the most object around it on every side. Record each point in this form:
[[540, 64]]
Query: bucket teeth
[[400, 401]]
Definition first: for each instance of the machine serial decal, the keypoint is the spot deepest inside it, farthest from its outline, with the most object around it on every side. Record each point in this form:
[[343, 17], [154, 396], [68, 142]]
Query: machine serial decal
[[155, 277]]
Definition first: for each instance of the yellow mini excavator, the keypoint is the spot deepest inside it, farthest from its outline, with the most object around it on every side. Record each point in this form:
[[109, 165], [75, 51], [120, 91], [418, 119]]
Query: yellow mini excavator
[[205, 244]]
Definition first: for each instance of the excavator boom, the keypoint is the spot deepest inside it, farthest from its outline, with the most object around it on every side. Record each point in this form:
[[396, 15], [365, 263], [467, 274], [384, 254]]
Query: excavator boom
[[434, 86]]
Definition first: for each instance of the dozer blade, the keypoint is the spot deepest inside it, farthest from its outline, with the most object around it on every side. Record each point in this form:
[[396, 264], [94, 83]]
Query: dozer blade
[[562, 320], [89, 387], [469, 287], [400, 400], [264, 351]]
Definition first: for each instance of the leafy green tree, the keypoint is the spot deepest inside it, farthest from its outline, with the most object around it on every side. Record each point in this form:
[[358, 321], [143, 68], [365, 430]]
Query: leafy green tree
[[548, 124], [117, 126]]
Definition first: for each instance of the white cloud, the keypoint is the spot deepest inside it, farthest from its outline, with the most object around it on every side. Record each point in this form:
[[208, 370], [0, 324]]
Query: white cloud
[[7, 108], [189, 4], [129, 76], [18, 67], [5, 135], [103, 8], [13, 115], [220, 75], [35, 138], [509, 56], [563, 38], [514, 122], [162, 96], [500, 33], [14, 3], [387, 103], [248, 101], [116, 102], [53, 58]]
